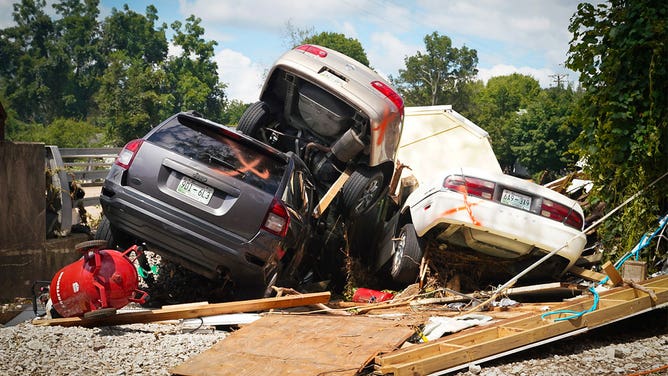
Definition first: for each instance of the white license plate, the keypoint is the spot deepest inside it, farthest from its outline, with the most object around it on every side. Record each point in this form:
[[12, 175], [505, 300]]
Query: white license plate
[[198, 192], [332, 77], [516, 200]]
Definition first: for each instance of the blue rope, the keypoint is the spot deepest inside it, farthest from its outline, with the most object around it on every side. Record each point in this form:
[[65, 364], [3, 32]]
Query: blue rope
[[574, 314], [644, 242]]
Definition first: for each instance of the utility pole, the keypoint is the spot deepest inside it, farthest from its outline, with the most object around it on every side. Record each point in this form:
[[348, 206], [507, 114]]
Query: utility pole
[[559, 78]]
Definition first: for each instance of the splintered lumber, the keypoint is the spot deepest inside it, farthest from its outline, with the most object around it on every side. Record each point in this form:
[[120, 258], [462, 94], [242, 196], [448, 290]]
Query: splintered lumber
[[587, 274], [190, 311], [615, 277], [454, 352], [299, 345]]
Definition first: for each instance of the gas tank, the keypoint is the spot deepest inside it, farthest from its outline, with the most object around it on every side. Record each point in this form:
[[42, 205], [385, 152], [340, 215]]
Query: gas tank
[[101, 278]]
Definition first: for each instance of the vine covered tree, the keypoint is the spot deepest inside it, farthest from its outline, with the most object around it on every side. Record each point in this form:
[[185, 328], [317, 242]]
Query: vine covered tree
[[620, 50]]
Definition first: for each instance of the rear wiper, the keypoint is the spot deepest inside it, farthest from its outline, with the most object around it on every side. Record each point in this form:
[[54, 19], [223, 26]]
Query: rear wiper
[[213, 158]]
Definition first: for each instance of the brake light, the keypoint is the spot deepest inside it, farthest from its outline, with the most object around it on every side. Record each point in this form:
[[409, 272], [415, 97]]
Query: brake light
[[390, 94], [312, 50], [277, 219], [127, 155], [561, 213], [471, 186]]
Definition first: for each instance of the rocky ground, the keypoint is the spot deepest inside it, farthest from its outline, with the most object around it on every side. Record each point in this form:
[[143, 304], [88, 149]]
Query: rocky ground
[[628, 347], [635, 346]]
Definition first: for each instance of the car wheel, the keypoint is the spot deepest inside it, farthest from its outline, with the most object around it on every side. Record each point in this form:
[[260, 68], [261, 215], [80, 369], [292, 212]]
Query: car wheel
[[361, 191], [407, 256], [114, 239], [255, 117]]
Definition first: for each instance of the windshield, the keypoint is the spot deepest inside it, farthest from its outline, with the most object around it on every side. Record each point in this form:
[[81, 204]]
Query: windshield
[[227, 155]]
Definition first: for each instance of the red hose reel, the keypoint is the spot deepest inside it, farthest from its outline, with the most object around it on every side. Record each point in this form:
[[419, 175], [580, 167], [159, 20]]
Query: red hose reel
[[100, 279]]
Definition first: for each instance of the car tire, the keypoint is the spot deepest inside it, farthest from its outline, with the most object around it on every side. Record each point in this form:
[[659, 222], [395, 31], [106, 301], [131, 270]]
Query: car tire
[[407, 256], [114, 239], [361, 191], [255, 117]]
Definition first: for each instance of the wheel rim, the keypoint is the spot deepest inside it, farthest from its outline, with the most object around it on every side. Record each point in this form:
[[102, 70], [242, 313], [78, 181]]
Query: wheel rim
[[398, 253], [368, 196]]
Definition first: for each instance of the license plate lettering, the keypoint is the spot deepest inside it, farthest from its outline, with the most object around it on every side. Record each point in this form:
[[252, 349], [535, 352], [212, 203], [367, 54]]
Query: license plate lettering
[[194, 190], [516, 200]]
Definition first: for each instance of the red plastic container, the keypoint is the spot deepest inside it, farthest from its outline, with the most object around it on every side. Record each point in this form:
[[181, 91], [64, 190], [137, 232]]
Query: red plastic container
[[364, 295], [101, 278]]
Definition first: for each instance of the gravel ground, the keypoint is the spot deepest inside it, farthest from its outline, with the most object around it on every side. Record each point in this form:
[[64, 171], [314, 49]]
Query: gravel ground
[[626, 347]]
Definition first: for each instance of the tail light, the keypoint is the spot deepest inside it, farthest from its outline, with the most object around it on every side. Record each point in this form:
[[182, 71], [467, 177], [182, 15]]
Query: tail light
[[277, 219], [561, 213], [390, 94], [471, 186], [312, 50], [127, 155]]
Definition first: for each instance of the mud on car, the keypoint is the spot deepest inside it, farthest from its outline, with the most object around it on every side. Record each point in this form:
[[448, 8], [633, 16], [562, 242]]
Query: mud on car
[[336, 114], [211, 199]]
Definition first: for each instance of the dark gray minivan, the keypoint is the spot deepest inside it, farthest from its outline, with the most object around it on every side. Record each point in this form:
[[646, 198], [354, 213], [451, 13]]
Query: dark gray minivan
[[213, 200]]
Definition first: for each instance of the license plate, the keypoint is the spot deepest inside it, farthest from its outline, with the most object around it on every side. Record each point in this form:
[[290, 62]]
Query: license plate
[[198, 192], [516, 200], [332, 77]]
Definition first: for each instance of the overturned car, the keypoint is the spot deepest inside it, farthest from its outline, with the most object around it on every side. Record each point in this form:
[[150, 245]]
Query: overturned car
[[336, 114]]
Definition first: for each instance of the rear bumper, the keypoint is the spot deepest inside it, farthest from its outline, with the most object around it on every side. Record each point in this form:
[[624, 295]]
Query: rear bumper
[[200, 246], [490, 223]]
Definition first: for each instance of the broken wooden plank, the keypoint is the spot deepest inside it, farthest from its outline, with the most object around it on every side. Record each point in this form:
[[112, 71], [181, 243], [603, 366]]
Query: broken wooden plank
[[299, 345], [451, 352], [615, 277], [191, 311], [331, 193], [587, 274]]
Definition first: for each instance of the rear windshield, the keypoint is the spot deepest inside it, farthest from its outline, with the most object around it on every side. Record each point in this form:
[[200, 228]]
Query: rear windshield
[[213, 147]]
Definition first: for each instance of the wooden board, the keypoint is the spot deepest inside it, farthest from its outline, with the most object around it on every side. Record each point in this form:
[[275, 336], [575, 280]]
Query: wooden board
[[450, 353], [299, 345], [189, 311]]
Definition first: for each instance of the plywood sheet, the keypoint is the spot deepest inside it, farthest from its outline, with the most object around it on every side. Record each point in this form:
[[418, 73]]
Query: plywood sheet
[[299, 345]]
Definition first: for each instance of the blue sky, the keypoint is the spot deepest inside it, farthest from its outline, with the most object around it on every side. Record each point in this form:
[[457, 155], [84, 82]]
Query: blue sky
[[526, 36]]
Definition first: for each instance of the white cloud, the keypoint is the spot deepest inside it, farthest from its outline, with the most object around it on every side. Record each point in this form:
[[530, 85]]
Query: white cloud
[[522, 27], [6, 10], [243, 77], [387, 53]]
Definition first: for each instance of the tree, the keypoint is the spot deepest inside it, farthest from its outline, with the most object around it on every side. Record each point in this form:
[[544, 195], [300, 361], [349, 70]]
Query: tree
[[135, 34], [77, 49], [620, 50], [338, 42], [26, 74], [193, 75], [134, 90], [497, 106], [233, 111], [131, 98], [438, 76], [541, 133]]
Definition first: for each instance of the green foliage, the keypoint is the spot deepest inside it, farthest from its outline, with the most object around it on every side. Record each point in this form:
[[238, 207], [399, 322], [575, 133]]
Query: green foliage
[[620, 50], [439, 76], [65, 133], [233, 111], [192, 77], [114, 72], [338, 42], [541, 134], [130, 101]]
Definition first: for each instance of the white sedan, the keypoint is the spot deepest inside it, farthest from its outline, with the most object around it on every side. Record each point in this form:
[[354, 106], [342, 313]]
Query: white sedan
[[492, 213]]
